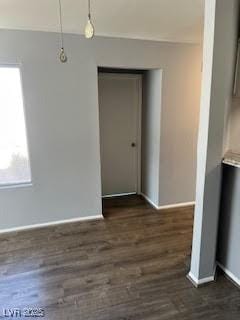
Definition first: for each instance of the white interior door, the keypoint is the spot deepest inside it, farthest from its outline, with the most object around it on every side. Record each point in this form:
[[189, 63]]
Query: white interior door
[[119, 106]]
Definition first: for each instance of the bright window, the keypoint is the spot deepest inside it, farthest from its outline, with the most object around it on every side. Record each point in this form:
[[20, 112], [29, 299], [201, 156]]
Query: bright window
[[14, 159]]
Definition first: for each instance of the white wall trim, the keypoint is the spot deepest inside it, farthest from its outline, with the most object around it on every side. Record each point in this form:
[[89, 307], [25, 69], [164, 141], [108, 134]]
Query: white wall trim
[[169, 206], [198, 282], [139, 133], [54, 223], [229, 274]]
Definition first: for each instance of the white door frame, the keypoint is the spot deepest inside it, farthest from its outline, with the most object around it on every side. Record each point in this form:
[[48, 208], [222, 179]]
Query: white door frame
[[138, 77]]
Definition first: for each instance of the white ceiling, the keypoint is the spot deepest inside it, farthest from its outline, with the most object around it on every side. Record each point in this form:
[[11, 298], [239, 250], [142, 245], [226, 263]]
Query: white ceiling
[[171, 20]]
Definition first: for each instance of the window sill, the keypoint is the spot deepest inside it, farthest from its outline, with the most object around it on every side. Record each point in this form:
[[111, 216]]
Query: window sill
[[16, 185]]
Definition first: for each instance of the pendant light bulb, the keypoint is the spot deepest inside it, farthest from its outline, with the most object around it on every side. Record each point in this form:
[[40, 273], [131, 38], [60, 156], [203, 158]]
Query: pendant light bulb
[[89, 28], [62, 56]]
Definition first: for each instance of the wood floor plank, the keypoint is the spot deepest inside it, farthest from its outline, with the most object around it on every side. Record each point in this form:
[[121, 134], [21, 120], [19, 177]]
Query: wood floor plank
[[130, 266]]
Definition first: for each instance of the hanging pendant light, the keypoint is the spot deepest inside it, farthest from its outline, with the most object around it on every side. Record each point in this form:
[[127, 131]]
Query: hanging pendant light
[[62, 54], [89, 29]]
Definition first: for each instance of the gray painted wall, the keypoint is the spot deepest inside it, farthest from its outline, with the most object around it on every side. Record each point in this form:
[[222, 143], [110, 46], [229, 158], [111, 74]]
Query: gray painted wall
[[179, 131], [61, 103], [170, 134], [229, 226], [218, 65], [151, 131], [233, 142]]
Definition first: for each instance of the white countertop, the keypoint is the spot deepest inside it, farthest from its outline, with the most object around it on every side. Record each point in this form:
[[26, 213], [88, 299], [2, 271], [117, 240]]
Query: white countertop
[[232, 159]]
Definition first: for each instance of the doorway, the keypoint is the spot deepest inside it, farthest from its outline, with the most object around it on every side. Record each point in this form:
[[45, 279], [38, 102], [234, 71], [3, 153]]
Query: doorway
[[120, 102]]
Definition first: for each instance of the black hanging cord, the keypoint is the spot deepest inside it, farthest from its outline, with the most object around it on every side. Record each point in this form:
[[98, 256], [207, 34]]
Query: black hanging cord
[[89, 9], [61, 24]]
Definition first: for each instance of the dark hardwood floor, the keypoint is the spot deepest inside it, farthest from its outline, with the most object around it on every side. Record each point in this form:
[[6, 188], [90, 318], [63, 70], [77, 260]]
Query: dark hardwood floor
[[130, 266]]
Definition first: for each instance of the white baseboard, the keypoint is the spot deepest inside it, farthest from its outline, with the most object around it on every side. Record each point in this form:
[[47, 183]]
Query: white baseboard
[[48, 224], [198, 282], [169, 206], [178, 205], [229, 274], [149, 201], [119, 195]]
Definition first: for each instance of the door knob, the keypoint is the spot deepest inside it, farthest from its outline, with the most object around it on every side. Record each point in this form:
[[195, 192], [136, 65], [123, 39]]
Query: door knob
[[133, 144]]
